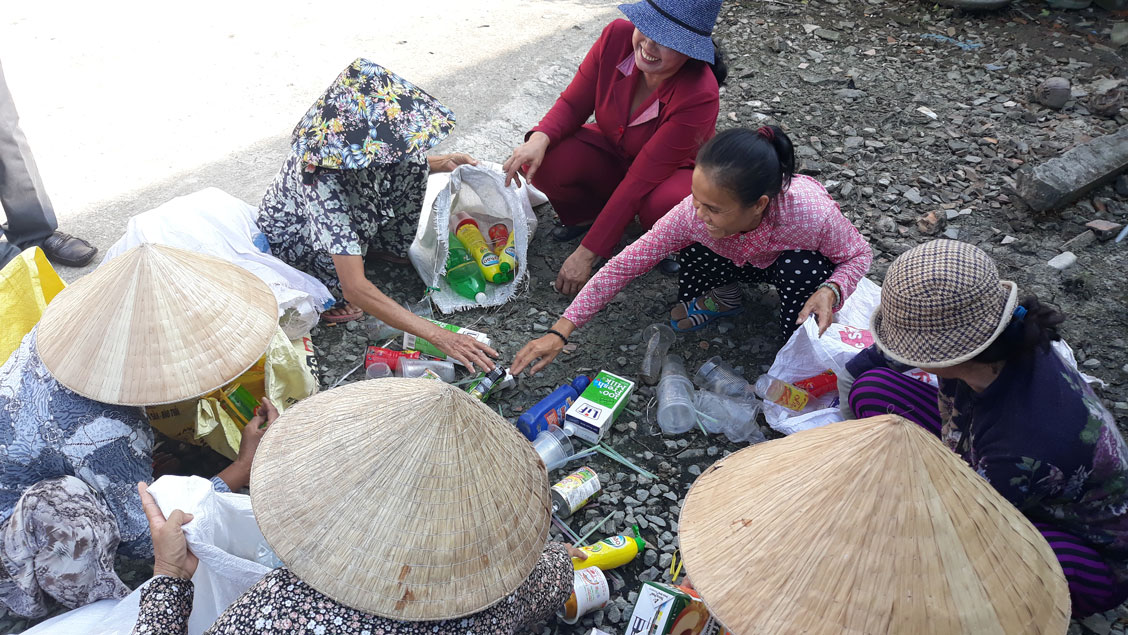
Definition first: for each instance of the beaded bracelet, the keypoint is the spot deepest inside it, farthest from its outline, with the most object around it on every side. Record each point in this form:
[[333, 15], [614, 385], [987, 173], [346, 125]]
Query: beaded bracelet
[[833, 289], [559, 334]]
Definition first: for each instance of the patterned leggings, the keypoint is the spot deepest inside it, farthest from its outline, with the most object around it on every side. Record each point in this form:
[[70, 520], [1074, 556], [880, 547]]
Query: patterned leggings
[[1092, 586], [59, 543], [794, 274]]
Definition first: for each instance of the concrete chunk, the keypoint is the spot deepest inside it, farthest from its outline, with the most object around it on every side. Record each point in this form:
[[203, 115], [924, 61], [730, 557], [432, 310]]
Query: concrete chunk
[[1063, 261], [1105, 229], [1064, 179], [1084, 239]]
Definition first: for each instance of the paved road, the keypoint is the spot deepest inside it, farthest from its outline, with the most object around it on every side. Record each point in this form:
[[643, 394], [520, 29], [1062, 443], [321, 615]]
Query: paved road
[[129, 103]]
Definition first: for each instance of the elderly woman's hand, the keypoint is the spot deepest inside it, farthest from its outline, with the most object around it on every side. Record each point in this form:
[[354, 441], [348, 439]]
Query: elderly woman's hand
[[448, 162], [821, 303], [171, 555]]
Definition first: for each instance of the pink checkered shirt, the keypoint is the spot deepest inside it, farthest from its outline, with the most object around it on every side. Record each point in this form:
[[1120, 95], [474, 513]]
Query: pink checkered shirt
[[803, 217]]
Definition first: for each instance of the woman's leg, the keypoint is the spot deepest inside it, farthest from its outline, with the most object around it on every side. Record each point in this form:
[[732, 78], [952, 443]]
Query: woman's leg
[[665, 196], [882, 391], [578, 178], [711, 279], [59, 542], [796, 275], [1092, 586]]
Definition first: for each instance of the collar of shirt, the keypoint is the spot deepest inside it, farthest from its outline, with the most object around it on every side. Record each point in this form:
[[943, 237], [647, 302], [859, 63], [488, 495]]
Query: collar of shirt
[[627, 68]]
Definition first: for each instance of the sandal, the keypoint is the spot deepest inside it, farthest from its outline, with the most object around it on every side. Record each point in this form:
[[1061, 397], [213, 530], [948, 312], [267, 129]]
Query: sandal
[[709, 313], [565, 233], [351, 316]]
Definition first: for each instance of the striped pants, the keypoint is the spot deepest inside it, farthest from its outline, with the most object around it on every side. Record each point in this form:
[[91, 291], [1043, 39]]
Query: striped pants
[[1092, 586]]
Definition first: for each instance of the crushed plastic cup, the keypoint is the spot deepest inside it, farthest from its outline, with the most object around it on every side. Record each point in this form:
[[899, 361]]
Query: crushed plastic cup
[[376, 370], [715, 375], [657, 338], [735, 418], [554, 447], [676, 413], [417, 367]]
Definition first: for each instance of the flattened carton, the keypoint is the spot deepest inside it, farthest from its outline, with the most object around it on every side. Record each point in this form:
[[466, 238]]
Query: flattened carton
[[662, 609], [598, 406]]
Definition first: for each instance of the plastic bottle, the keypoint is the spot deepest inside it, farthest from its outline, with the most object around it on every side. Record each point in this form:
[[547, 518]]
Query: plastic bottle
[[611, 552], [551, 409], [820, 384], [419, 367], [482, 388], [780, 392], [735, 418], [715, 375], [675, 397], [499, 235], [470, 235], [507, 256], [657, 338], [462, 274]]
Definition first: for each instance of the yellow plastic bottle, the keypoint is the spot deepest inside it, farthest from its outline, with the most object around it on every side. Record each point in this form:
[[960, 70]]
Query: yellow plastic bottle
[[612, 552], [507, 256], [469, 234]]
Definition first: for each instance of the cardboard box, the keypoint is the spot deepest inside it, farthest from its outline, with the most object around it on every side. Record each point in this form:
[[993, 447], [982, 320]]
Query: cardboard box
[[598, 407], [662, 609]]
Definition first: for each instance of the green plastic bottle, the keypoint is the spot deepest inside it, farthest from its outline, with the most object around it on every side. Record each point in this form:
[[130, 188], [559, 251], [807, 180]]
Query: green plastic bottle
[[463, 273]]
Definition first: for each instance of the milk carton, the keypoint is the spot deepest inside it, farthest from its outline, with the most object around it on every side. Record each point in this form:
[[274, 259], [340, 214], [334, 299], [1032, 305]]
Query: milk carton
[[662, 609], [590, 416]]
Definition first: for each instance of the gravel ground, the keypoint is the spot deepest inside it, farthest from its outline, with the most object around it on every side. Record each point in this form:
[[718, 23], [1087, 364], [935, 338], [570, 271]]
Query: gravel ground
[[847, 80]]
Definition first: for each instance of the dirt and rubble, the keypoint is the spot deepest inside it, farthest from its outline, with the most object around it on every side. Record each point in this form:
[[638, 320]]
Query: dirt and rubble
[[917, 118]]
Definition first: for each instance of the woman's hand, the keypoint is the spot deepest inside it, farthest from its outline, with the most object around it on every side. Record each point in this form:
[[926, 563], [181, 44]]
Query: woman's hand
[[526, 157], [448, 162], [467, 350], [574, 552], [265, 415], [171, 556], [546, 348], [821, 303], [575, 271]]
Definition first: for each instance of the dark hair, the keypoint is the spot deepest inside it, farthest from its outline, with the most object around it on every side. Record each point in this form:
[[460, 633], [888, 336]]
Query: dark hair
[[719, 66], [750, 163], [1026, 334]]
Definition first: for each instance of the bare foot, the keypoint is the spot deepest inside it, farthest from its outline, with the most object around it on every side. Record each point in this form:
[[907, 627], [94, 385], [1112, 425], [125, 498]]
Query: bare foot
[[344, 313]]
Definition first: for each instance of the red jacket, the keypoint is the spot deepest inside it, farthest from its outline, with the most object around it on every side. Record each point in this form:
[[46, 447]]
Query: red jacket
[[654, 144]]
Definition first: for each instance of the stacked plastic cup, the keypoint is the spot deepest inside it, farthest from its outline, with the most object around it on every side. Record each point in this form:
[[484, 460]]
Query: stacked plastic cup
[[657, 338], [715, 375], [676, 413], [554, 447], [735, 418]]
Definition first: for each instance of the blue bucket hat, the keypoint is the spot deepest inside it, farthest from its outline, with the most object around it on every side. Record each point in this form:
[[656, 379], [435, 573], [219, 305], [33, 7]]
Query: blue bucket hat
[[685, 26]]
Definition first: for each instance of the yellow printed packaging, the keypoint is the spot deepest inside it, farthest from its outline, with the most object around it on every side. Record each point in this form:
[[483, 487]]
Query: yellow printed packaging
[[283, 375], [475, 244], [507, 256], [612, 552], [27, 284]]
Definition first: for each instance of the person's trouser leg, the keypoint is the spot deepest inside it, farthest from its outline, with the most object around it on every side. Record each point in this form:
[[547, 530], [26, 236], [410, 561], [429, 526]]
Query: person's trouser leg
[[403, 187], [882, 391], [578, 179], [796, 275], [703, 270], [30, 217], [665, 197], [59, 542], [1092, 586]]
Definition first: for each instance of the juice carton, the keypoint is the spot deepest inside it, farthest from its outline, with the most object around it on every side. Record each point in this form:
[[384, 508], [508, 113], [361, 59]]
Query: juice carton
[[413, 342], [591, 416], [662, 609]]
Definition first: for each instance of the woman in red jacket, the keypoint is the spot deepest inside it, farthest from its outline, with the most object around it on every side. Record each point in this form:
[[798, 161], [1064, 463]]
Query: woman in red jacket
[[652, 84]]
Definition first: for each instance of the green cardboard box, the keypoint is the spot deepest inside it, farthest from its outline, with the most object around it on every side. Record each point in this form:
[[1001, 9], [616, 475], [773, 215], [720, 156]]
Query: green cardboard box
[[591, 416]]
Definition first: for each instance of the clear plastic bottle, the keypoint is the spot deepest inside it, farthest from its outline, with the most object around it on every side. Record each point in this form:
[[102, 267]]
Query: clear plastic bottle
[[736, 418], [780, 392], [676, 413], [715, 375], [657, 338]]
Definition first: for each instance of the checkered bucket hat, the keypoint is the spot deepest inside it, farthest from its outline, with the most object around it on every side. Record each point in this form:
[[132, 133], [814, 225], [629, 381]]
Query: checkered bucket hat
[[942, 303]]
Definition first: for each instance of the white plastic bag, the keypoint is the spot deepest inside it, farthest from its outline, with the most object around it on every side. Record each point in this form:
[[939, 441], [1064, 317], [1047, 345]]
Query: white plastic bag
[[223, 535], [213, 222], [479, 190]]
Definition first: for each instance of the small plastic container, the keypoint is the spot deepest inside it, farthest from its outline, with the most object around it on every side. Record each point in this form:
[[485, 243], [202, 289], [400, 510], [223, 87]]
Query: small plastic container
[[676, 413], [715, 375], [554, 447], [416, 368], [657, 338], [777, 391], [376, 370]]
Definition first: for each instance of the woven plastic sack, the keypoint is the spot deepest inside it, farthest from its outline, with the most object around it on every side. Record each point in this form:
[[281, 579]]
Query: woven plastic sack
[[216, 223], [27, 284], [480, 191], [223, 535]]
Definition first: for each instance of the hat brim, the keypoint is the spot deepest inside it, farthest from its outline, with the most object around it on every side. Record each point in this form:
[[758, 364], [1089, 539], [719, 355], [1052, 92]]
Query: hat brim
[[925, 349], [667, 33]]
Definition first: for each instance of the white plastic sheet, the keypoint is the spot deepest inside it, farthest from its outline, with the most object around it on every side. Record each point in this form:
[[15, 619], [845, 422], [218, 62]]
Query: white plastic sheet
[[479, 190], [216, 223], [223, 535]]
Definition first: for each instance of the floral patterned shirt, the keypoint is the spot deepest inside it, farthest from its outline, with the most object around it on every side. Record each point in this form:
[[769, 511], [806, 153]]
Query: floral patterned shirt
[[1041, 437], [47, 431], [281, 603], [803, 217]]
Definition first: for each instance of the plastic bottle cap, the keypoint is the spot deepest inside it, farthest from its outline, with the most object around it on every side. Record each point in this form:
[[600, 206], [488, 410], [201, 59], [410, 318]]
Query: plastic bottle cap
[[480, 298]]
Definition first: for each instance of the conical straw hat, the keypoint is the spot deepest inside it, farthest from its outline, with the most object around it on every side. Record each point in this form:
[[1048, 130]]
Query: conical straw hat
[[869, 526], [405, 498], [156, 325]]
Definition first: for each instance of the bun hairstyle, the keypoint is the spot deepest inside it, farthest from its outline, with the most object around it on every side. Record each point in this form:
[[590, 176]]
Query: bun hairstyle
[[719, 66], [1033, 328], [750, 163]]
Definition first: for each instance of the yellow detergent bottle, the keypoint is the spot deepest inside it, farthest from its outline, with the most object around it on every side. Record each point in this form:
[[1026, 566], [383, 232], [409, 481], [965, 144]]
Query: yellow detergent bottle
[[470, 235], [612, 552], [507, 255]]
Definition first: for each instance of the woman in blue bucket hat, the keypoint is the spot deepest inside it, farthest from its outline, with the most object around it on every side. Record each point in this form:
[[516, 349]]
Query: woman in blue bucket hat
[[353, 185], [652, 84]]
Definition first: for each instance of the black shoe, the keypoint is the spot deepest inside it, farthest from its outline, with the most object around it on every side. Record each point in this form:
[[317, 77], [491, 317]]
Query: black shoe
[[69, 251], [565, 233], [669, 266]]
